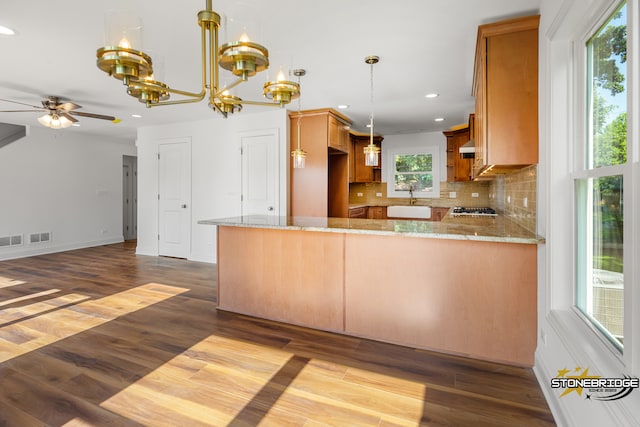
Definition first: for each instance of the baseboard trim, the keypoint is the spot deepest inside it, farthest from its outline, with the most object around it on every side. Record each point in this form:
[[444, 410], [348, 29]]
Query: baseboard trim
[[43, 250]]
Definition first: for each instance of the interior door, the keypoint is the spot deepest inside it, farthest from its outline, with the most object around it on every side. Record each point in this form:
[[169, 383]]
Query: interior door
[[129, 197], [260, 180], [174, 199]]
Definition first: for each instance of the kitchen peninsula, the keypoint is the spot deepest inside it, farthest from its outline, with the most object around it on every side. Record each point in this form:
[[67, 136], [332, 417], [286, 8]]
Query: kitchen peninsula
[[464, 286]]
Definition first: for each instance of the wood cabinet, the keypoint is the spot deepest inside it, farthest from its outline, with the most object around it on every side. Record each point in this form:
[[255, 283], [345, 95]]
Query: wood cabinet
[[362, 172], [359, 212], [438, 213], [322, 187], [338, 134], [458, 168], [377, 212], [506, 90]]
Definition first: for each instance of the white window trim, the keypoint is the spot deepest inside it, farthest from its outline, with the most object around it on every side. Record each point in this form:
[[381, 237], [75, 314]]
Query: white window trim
[[390, 168], [565, 338]]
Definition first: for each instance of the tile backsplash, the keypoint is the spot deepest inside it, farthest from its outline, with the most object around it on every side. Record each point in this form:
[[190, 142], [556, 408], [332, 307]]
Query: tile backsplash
[[375, 193], [513, 195]]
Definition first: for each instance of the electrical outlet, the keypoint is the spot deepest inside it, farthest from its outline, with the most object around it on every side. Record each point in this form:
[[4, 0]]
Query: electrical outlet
[[378, 194], [475, 195], [525, 202], [509, 199], [359, 194], [452, 194]]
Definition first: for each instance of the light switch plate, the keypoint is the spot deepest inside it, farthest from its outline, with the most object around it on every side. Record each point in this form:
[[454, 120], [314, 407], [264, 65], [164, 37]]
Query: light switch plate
[[452, 194], [359, 194], [475, 195], [378, 194]]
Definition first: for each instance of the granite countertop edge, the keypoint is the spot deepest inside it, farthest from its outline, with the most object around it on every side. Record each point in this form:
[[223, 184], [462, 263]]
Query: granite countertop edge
[[492, 231]]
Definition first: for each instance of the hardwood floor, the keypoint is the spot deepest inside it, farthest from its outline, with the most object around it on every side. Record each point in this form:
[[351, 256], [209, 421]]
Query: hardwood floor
[[100, 336]]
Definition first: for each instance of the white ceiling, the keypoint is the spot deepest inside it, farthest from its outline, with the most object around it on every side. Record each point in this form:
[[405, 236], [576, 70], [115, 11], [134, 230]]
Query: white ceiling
[[424, 46]]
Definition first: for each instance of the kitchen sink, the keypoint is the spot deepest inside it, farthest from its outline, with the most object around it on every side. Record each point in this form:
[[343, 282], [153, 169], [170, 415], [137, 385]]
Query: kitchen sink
[[420, 212]]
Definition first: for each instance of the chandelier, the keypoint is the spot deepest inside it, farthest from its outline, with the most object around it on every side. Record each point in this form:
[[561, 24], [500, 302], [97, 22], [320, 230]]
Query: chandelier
[[371, 151], [243, 58]]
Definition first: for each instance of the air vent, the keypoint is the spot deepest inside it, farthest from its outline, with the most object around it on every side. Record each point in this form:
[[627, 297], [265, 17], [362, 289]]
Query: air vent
[[40, 237], [11, 240]]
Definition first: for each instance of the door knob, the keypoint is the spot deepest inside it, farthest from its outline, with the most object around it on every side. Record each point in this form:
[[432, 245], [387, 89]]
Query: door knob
[[184, 206], [270, 208]]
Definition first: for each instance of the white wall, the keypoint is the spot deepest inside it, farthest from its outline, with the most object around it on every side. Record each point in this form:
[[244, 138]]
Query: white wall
[[65, 183], [216, 174]]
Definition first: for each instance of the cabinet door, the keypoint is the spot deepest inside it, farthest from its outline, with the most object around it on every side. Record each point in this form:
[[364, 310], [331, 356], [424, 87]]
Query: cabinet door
[[362, 172], [377, 212], [338, 135], [511, 99]]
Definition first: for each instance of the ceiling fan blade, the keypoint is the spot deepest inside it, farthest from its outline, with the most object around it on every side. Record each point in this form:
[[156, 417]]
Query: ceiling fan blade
[[72, 119], [92, 115], [68, 106], [23, 111], [21, 103]]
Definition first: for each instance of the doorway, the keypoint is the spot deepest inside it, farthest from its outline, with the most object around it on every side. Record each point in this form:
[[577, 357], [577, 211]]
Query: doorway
[[129, 197]]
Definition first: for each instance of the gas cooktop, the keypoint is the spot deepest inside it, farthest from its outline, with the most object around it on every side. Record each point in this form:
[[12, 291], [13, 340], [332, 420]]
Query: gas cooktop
[[460, 211]]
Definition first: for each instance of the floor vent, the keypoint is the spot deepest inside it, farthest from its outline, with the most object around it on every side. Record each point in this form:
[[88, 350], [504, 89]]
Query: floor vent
[[40, 237], [11, 240]]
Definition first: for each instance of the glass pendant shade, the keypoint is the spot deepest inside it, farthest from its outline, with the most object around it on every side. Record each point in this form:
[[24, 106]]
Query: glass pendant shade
[[123, 29], [299, 158], [371, 155]]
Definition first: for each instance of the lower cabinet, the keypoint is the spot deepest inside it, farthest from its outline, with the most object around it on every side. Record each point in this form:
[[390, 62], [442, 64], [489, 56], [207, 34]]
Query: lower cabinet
[[359, 212], [438, 213], [377, 212]]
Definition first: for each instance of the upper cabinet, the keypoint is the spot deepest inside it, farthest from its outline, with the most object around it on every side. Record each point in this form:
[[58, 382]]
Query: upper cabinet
[[458, 168], [338, 134], [322, 187], [359, 172], [506, 90]]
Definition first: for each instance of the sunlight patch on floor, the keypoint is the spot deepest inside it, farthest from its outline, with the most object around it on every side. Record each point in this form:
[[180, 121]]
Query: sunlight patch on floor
[[30, 334], [6, 282]]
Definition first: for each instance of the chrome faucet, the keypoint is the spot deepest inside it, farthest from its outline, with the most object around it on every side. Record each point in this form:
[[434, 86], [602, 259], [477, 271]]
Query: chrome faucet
[[412, 200]]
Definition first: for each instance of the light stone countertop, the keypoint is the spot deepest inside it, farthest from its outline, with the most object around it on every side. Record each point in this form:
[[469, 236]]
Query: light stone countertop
[[494, 229]]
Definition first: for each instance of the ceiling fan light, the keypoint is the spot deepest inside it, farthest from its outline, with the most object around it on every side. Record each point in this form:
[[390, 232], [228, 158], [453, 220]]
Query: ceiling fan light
[[54, 121], [45, 120]]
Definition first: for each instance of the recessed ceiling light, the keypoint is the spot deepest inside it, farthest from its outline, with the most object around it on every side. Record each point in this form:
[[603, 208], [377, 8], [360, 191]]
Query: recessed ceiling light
[[439, 119], [431, 95], [6, 31], [137, 116], [76, 125], [343, 106]]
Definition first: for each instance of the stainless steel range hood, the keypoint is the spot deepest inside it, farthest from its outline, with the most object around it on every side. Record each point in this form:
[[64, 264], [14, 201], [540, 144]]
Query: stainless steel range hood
[[468, 150]]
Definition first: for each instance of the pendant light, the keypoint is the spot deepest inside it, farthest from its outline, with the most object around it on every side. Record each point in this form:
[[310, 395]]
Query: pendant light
[[371, 151], [299, 155]]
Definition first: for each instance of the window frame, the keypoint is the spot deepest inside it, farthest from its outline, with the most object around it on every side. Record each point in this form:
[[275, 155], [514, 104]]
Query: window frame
[[583, 171], [434, 151]]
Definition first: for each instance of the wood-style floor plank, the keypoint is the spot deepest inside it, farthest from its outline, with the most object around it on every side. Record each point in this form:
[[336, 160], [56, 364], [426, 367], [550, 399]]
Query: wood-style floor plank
[[100, 336]]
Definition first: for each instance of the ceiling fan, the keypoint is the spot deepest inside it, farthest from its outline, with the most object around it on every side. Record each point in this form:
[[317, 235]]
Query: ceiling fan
[[59, 114]]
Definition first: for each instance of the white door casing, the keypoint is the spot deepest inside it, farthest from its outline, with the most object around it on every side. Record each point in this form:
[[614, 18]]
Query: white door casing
[[260, 173], [174, 198]]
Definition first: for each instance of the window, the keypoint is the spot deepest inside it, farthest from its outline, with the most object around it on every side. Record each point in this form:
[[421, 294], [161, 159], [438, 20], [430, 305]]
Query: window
[[600, 181], [413, 172]]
